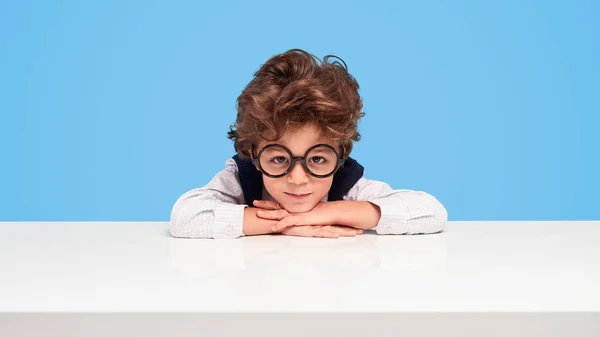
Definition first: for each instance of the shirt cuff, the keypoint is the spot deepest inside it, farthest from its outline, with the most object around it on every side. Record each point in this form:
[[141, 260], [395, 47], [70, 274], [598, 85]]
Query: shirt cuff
[[396, 216], [229, 221]]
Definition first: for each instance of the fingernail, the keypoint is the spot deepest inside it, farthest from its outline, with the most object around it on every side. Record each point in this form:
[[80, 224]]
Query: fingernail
[[260, 213]]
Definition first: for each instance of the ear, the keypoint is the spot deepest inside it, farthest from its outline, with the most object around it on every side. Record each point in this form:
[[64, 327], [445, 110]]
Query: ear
[[251, 156], [342, 150]]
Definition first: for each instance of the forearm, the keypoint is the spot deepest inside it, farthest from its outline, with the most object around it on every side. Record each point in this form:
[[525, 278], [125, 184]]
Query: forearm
[[254, 225], [359, 214]]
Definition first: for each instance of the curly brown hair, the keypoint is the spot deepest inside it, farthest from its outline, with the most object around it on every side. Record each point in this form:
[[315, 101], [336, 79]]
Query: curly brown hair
[[292, 89]]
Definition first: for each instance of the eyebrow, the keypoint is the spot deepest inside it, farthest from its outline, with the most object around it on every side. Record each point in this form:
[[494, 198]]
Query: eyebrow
[[317, 150], [303, 153]]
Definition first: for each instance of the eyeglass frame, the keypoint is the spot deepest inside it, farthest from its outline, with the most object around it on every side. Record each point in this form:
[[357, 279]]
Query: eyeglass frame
[[293, 160]]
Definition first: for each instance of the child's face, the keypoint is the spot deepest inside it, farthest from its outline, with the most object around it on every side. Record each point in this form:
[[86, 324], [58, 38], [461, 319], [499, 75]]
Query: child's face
[[298, 191]]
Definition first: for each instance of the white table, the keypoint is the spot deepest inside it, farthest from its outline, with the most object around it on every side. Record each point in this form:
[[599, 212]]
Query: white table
[[126, 278]]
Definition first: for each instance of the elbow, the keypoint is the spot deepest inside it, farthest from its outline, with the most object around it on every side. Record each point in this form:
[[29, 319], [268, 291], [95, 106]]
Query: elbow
[[178, 226], [437, 219], [185, 221]]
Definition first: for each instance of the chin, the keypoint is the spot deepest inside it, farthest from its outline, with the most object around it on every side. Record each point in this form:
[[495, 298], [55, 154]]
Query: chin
[[299, 208]]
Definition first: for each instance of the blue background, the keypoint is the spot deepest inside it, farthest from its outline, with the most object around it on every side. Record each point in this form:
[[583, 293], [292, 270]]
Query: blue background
[[111, 110]]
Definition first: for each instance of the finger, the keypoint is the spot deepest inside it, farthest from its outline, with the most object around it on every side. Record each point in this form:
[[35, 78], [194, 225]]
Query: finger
[[343, 231], [272, 214], [295, 231], [284, 223], [349, 230], [309, 231], [267, 204], [356, 230], [325, 232], [298, 231]]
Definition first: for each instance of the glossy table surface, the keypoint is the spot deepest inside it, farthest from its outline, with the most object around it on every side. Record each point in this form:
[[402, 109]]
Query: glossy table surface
[[139, 267]]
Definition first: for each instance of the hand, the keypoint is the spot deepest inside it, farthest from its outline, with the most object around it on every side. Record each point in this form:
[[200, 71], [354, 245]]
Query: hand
[[321, 214], [268, 209], [273, 210], [322, 231]]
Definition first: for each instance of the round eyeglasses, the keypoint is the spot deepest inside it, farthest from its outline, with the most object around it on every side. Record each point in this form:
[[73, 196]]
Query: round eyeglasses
[[275, 161]]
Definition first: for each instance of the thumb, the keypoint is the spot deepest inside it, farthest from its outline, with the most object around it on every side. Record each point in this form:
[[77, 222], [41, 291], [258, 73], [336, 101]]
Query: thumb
[[267, 204]]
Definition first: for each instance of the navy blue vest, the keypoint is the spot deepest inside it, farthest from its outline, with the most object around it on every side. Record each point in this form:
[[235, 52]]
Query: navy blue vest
[[252, 183]]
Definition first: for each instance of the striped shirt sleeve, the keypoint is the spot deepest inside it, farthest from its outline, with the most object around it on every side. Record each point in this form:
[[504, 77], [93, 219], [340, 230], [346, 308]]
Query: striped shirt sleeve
[[402, 211]]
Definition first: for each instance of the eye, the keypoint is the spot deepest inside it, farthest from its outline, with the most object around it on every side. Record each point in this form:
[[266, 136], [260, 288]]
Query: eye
[[317, 160], [279, 160]]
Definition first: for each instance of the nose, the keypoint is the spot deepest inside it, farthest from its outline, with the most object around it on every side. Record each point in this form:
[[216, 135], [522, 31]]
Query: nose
[[298, 176]]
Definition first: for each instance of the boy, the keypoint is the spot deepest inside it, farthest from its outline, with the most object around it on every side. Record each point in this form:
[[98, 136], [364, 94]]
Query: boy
[[292, 173]]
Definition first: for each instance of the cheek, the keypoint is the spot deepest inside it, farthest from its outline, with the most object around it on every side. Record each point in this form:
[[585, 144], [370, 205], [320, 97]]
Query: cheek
[[321, 187], [271, 185]]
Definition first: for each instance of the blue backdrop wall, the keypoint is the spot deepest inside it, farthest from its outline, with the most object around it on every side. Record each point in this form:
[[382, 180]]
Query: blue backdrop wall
[[111, 110]]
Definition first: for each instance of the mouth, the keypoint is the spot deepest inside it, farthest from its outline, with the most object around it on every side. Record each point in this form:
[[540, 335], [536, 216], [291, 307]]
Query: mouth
[[298, 195]]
